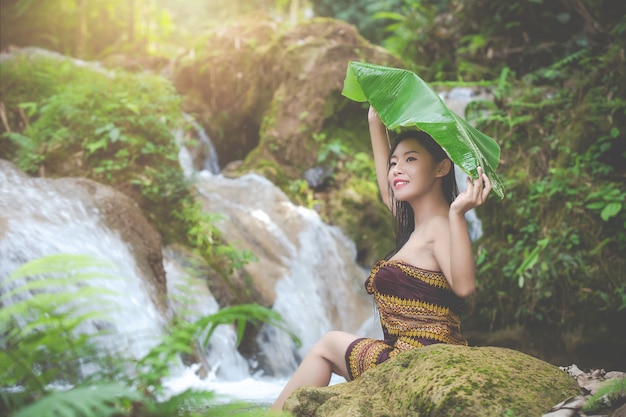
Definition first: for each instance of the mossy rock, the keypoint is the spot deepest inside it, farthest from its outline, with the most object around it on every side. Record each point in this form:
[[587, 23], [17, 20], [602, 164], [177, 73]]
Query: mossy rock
[[443, 380]]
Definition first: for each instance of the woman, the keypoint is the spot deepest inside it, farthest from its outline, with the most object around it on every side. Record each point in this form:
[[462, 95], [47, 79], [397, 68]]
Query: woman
[[419, 289]]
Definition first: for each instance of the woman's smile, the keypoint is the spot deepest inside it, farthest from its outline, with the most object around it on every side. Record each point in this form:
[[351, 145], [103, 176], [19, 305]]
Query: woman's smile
[[398, 183]]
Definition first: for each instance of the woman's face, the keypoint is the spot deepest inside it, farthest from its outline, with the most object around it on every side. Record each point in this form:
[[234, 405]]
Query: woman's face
[[412, 170]]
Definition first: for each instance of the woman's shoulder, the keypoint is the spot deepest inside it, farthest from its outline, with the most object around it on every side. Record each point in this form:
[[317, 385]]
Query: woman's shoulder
[[438, 224]]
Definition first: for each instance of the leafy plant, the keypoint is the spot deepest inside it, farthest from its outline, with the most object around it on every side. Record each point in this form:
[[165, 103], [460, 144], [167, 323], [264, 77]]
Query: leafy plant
[[112, 127], [206, 238], [42, 337], [553, 248]]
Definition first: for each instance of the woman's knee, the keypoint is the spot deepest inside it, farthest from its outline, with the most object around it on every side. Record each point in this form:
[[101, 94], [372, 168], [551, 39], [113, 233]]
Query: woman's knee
[[333, 344]]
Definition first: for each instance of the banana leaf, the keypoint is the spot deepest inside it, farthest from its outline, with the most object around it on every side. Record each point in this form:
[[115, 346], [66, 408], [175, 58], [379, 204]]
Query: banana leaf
[[402, 99]]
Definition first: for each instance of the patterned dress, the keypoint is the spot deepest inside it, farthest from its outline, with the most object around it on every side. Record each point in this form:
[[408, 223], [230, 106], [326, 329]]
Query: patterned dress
[[417, 308]]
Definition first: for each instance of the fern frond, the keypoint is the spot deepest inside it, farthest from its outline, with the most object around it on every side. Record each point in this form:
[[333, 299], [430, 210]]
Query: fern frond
[[570, 59], [241, 315], [60, 263], [104, 400], [52, 282]]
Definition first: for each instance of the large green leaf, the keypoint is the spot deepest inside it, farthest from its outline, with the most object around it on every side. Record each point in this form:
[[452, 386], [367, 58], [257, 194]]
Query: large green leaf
[[402, 99]]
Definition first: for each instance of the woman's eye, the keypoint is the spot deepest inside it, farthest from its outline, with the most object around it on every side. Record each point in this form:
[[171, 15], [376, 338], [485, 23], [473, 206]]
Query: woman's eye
[[410, 158], [392, 164]]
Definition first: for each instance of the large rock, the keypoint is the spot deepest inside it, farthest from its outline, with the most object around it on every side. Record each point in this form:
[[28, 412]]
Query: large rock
[[258, 87], [443, 380]]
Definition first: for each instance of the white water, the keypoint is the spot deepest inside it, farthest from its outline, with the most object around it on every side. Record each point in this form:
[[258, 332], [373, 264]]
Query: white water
[[316, 288], [45, 219], [42, 221]]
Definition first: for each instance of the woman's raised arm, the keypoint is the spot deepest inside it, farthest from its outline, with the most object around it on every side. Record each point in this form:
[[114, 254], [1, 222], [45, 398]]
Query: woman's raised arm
[[380, 148]]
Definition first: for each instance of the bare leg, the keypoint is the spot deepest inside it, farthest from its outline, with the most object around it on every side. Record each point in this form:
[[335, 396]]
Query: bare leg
[[326, 356]]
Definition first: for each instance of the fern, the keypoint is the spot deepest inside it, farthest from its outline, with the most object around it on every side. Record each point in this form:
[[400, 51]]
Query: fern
[[40, 320], [240, 315], [102, 400], [571, 59], [184, 335]]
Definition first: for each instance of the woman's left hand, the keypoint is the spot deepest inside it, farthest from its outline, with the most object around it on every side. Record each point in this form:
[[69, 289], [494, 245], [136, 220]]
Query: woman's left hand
[[474, 195]]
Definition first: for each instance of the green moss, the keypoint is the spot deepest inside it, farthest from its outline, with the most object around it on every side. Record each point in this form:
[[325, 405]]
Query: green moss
[[484, 381]]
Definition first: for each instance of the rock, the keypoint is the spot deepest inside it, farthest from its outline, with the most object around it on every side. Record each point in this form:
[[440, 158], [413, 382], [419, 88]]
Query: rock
[[443, 380]]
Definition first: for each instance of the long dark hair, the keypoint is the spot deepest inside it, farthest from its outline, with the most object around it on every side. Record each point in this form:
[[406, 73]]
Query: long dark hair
[[404, 216]]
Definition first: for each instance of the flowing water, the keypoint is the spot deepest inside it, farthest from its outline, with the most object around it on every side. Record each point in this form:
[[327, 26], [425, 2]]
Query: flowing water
[[42, 221]]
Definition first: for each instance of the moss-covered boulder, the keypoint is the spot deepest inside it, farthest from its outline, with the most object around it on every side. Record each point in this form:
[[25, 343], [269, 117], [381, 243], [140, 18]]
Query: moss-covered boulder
[[443, 380]]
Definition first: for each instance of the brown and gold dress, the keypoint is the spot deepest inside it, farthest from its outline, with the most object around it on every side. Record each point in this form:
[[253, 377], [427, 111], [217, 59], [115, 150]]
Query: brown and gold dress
[[417, 308]]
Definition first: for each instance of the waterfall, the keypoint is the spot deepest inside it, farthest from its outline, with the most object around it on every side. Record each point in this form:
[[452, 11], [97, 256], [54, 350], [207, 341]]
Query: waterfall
[[312, 265], [37, 220], [189, 152]]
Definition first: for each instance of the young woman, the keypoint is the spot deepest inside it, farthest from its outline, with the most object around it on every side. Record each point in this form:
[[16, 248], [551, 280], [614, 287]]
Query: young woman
[[419, 288]]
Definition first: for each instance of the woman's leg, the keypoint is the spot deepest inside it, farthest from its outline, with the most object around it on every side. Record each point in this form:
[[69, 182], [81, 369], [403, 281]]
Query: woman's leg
[[326, 356]]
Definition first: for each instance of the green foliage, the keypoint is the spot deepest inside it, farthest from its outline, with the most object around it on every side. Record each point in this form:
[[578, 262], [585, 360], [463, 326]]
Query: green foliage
[[550, 258], [407, 35], [41, 343], [185, 336], [362, 166], [364, 14], [115, 128], [206, 238], [41, 340], [475, 40], [300, 192]]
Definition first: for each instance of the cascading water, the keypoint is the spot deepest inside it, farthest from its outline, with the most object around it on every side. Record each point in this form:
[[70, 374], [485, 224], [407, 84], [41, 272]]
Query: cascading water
[[313, 270], [204, 147], [38, 221]]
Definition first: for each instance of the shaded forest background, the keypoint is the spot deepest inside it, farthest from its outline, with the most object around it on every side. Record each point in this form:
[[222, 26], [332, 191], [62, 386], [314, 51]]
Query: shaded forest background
[[551, 262]]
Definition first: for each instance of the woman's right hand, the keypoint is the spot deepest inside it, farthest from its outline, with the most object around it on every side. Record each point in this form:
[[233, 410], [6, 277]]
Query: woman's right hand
[[372, 117]]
